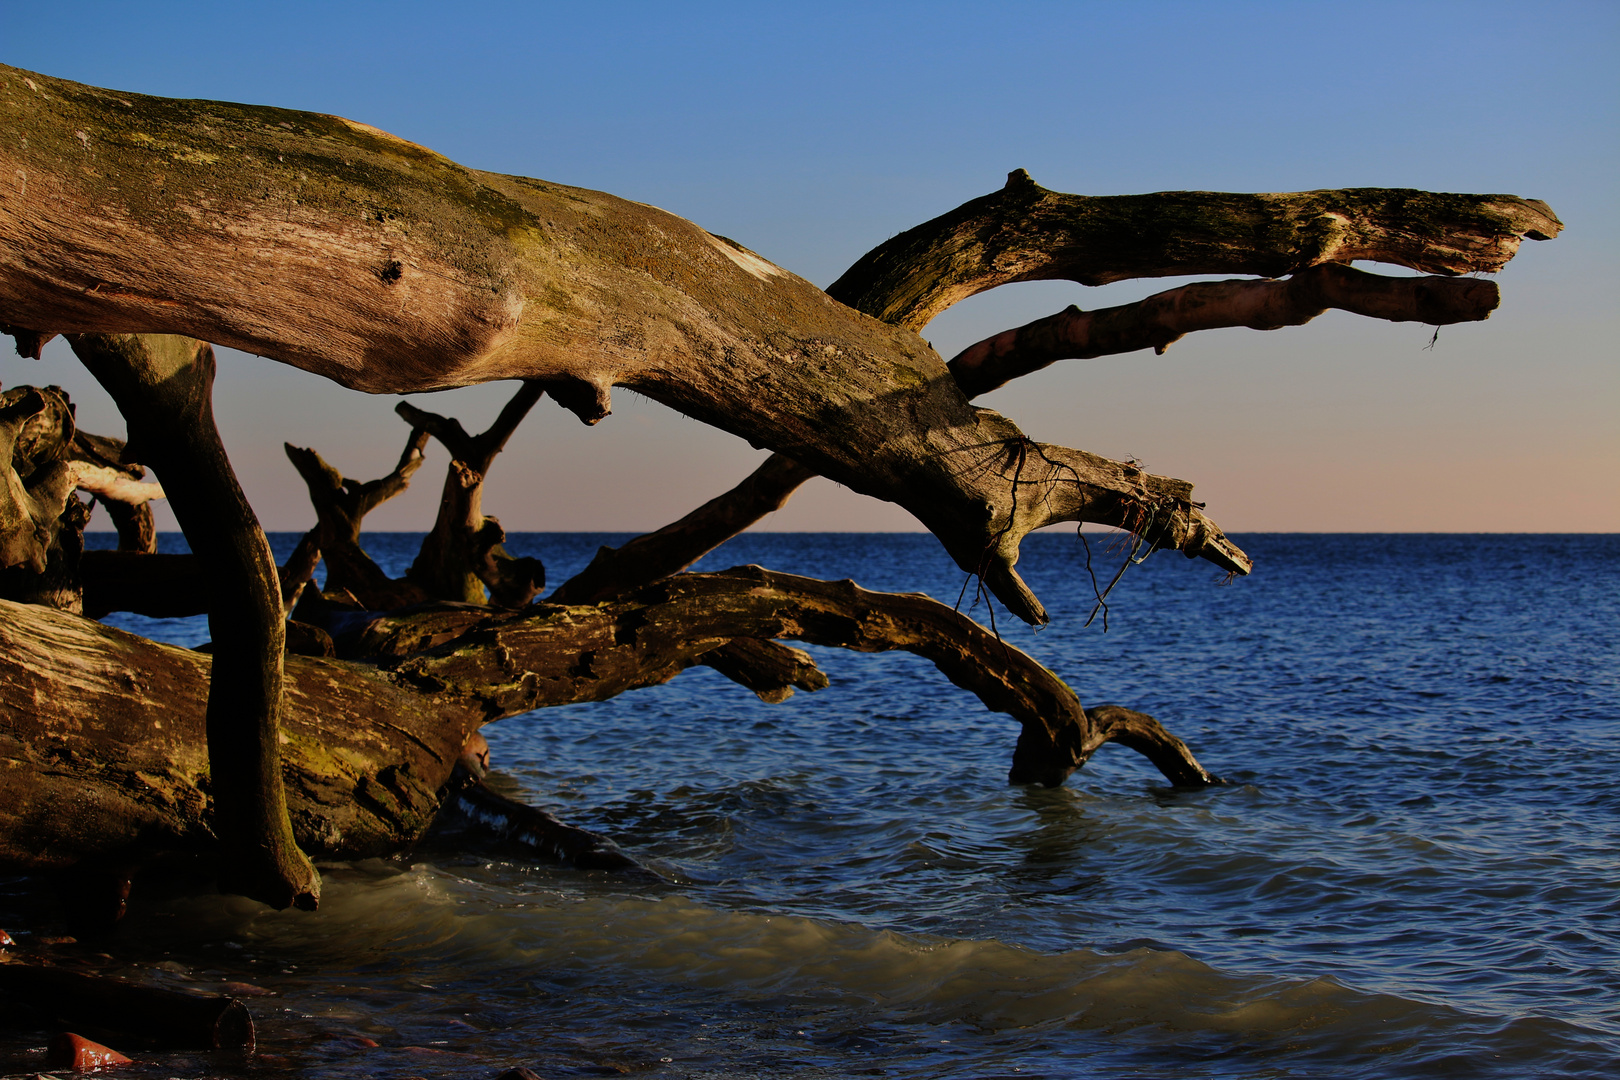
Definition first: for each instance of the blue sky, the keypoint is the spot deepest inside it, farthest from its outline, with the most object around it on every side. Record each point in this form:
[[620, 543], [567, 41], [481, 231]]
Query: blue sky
[[812, 133]]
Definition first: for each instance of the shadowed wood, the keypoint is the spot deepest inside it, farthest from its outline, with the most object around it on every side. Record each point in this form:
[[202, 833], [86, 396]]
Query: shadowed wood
[[102, 752], [341, 506], [163, 386], [336, 247], [462, 555], [1025, 232]]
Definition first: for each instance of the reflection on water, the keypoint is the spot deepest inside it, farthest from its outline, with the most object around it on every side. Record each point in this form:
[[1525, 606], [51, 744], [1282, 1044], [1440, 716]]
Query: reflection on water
[[1411, 873]]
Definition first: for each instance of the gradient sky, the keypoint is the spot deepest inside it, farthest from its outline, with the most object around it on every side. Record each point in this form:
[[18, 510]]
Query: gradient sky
[[812, 133]]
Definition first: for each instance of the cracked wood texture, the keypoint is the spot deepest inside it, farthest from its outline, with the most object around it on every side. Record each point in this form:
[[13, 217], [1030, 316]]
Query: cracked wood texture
[[102, 748], [335, 247], [101, 732], [330, 245], [1025, 232]]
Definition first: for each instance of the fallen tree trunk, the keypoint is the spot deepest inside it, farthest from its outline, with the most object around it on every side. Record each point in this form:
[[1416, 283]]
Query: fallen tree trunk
[[102, 751], [335, 247]]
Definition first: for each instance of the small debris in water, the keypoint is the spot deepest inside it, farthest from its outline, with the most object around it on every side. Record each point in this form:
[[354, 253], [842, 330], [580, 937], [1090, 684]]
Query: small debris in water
[[80, 1054]]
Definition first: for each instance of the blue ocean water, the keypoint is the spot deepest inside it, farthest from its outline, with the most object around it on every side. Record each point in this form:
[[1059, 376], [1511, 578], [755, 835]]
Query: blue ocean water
[[1412, 871]]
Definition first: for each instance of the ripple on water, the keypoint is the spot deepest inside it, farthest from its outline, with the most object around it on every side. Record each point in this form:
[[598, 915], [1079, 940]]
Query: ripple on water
[[1412, 873]]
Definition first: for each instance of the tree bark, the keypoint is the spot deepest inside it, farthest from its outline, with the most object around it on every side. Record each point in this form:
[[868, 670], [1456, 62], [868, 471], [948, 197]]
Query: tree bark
[[341, 505], [102, 732], [389, 268], [1026, 233], [1159, 320], [163, 385], [462, 554], [103, 748]]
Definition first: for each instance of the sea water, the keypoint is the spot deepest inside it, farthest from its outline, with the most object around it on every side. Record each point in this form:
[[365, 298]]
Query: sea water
[[1411, 871]]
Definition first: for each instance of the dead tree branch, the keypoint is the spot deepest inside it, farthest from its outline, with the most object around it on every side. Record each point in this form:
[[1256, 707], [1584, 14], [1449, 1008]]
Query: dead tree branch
[[462, 554], [1159, 320], [615, 571], [100, 469], [450, 276], [341, 505], [478, 452], [1026, 233], [369, 746]]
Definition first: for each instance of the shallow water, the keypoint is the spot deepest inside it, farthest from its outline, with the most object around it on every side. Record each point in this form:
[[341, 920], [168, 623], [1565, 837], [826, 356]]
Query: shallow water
[[1412, 871]]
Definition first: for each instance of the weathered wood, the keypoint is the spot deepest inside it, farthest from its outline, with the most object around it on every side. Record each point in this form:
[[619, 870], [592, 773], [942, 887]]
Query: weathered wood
[[615, 571], [389, 268], [1035, 752], [299, 569], [101, 470], [1159, 320], [515, 822], [462, 554], [1026, 233], [477, 452], [512, 663], [36, 483], [771, 670], [341, 506], [163, 386], [338, 248], [1046, 484], [102, 749], [30, 343]]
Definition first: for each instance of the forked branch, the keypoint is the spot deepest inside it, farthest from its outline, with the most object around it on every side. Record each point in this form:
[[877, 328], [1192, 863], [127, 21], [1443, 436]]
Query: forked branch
[[1026, 233]]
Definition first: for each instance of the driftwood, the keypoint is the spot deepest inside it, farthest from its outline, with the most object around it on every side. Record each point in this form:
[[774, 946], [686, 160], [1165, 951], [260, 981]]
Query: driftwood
[[335, 247], [1025, 232], [518, 823], [1164, 318], [101, 469], [36, 487], [111, 758], [389, 268], [462, 554], [163, 385], [341, 505]]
